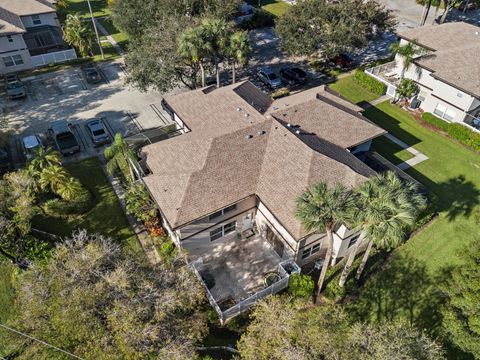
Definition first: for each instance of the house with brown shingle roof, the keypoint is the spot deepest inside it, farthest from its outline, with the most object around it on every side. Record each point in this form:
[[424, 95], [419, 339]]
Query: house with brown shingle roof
[[230, 181], [29, 29], [447, 73]]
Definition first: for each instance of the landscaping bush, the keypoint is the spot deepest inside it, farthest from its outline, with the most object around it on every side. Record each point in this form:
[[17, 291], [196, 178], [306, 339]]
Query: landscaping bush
[[435, 121], [300, 285], [457, 131], [60, 208], [280, 93], [369, 82], [260, 18]]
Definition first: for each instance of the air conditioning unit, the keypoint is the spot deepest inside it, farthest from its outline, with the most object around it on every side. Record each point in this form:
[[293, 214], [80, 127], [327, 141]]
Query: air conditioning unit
[[415, 103]]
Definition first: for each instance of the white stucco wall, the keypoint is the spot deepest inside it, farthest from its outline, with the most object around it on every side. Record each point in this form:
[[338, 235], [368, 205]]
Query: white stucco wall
[[45, 19]]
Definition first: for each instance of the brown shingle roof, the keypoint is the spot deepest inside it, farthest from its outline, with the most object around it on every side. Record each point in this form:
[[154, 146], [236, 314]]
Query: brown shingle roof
[[226, 157], [198, 176], [10, 23], [27, 7], [456, 50], [444, 36]]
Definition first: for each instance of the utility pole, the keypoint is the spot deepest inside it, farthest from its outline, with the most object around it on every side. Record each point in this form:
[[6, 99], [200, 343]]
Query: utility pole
[[95, 28]]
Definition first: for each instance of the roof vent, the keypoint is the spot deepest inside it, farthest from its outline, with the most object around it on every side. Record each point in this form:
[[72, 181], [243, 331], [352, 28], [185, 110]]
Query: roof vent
[[298, 132], [274, 108], [286, 104], [262, 132], [249, 136], [247, 115], [289, 125], [239, 109]]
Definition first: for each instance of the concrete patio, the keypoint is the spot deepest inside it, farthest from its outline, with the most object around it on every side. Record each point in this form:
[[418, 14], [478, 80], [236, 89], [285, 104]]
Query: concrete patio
[[237, 268]]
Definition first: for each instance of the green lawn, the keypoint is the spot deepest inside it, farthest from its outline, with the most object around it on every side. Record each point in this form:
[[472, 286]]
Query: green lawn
[[7, 297], [275, 7], [351, 90], [390, 150], [120, 37], [408, 287], [107, 217], [99, 7]]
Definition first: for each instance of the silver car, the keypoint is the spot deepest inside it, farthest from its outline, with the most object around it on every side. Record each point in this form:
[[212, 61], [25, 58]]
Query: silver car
[[269, 78], [15, 88], [31, 145]]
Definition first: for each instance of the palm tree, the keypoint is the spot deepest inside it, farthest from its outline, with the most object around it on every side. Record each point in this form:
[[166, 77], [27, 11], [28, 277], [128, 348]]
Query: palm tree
[[320, 209], [53, 177], [120, 157], [70, 189], [216, 34], [239, 50], [43, 159], [78, 34], [192, 47], [426, 9], [408, 52], [387, 208]]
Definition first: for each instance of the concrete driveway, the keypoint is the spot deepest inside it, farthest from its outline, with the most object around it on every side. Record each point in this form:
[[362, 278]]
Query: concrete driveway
[[66, 95]]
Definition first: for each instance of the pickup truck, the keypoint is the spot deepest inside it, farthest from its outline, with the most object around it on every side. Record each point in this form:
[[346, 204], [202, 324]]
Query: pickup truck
[[63, 137]]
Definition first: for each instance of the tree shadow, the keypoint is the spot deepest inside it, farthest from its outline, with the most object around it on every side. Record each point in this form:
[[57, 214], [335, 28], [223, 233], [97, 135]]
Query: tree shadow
[[390, 124], [403, 290], [456, 197]]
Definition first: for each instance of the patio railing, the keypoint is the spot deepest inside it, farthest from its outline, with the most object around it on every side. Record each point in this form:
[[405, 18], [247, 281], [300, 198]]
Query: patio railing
[[245, 304], [54, 57]]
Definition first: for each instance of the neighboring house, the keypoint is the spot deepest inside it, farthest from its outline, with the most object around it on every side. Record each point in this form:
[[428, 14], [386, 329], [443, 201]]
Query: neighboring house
[[226, 187], [30, 35], [447, 74]]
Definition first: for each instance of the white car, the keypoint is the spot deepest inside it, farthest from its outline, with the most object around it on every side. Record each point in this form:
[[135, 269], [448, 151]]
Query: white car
[[31, 145]]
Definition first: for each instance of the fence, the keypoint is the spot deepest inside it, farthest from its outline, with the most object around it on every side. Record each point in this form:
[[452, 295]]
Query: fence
[[247, 303], [54, 57]]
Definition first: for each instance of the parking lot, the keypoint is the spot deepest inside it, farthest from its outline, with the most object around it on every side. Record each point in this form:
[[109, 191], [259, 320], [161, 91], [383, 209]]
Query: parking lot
[[66, 95]]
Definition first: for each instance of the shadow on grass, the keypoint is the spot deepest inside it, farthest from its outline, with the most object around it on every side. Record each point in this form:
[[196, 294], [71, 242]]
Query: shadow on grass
[[457, 197], [390, 124], [403, 290]]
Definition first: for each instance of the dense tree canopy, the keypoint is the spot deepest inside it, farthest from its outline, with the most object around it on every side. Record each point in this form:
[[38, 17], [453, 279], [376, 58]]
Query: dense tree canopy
[[285, 329], [462, 310], [98, 302], [330, 28], [154, 27]]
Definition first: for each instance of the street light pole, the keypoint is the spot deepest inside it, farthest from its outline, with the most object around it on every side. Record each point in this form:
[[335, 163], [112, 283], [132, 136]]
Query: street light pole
[[95, 28]]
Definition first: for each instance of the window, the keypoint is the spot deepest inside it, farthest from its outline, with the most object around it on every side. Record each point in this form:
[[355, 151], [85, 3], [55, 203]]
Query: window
[[422, 95], [310, 250], [9, 38], [230, 227], [353, 240], [36, 20], [443, 112], [223, 230], [440, 110], [216, 234], [222, 212], [12, 60]]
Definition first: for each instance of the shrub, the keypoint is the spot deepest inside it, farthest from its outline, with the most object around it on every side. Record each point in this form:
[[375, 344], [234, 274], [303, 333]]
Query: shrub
[[59, 208], [260, 18], [300, 285], [280, 93], [369, 82], [457, 131]]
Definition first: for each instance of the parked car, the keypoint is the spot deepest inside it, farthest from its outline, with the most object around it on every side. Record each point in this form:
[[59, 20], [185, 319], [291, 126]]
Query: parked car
[[269, 78], [92, 74], [293, 76], [15, 88], [98, 134], [31, 144], [343, 60], [5, 163], [63, 137]]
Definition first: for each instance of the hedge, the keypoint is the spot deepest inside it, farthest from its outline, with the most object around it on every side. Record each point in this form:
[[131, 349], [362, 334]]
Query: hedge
[[457, 131], [369, 83], [60, 208]]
